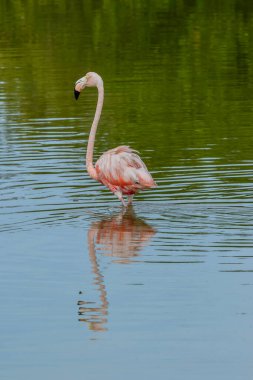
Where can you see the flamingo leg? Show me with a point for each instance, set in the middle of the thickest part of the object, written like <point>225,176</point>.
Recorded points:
<point>119,195</point>
<point>130,199</point>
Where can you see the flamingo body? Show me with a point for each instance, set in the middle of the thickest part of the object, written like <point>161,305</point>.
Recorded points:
<point>120,169</point>
<point>123,171</point>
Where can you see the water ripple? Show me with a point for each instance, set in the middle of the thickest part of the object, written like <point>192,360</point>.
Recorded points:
<point>196,209</point>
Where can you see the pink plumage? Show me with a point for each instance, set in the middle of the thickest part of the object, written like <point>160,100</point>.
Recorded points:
<point>120,169</point>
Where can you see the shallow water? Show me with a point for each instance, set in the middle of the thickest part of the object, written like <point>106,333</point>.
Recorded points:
<point>163,289</point>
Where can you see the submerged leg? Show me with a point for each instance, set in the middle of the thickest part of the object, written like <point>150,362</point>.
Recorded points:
<point>119,195</point>
<point>130,199</point>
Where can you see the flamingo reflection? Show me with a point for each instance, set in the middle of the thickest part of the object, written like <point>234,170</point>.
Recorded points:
<point>121,236</point>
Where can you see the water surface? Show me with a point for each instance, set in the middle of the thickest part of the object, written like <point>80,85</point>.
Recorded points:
<point>163,289</point>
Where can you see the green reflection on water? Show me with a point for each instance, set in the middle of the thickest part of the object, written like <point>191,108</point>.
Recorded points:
<point>178,74</point>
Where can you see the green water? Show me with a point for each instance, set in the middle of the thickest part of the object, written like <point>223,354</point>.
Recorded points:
<point>163,290</point>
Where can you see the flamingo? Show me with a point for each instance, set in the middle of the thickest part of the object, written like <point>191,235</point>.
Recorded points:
<point>120,169</point>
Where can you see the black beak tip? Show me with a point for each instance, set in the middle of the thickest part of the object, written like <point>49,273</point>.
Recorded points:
<point>76,93</point>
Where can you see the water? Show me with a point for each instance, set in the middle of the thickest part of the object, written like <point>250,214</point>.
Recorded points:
<point>164,289</point>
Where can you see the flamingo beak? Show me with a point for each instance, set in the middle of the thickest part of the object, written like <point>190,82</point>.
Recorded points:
<point>76,93</point>
<point>79,86</point>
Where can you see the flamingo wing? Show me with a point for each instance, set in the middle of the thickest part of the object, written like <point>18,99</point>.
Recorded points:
<point>121,169</point>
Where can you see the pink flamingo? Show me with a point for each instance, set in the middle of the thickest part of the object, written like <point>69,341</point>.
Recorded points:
<point>120,169</point>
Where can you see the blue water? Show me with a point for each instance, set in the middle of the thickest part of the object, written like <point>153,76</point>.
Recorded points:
<point>176,303</point>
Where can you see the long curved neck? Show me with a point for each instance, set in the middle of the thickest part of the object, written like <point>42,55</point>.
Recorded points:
<point>89,154</point>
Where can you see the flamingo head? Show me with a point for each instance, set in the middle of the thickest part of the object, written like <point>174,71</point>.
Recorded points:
<point>89,80</point>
